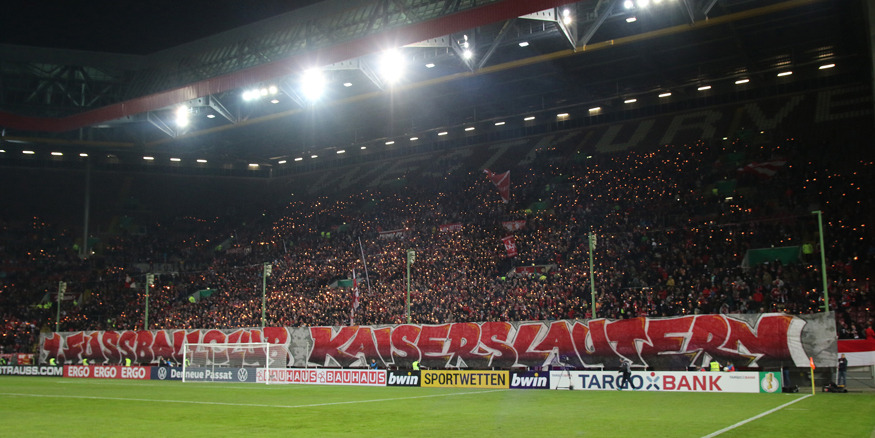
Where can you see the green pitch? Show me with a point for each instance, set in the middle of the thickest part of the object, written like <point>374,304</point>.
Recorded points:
<point>33,406</point>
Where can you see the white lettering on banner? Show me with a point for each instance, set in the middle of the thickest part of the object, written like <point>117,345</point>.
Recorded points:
<point>403,380</point>
<point>528,381</point>
<point>31,370</point>
<point>105,372</point>
<point>77,371</point>
<point>323,376</point>
<point>133,373</point>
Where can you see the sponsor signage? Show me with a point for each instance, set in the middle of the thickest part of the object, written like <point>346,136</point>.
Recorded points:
<point>30,370</point>
<point>697,381</point>
<point>106,372</point>
<point>231,375</point>
<point>320,376</point>
<point>529,380</point>
<point>465,379</point>
<point>403,378</point>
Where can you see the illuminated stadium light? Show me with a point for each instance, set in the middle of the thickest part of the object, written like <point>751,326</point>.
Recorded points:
<point>631,20</point>
<point>390,142</point>
<point>28,152</point>
<point>211,116</point>
<point>643,3</point>
<point>742,81</point>
<point>347,84</point>
<point>429,65</point>
<point>201,161</point>
<point>253,165</point>
<point>826,66</point>
<point>785,73</point>
<point>664,94</point>
<point>175,160</point>
<point>83,155</point>
<point>467,54</point>
<point>529,119</point>
<point>2,151</point>
<point>342,151</point>
<point>566,17</point>
<point>299,159</point>
<point>392,66</point>
<point>281,162</point>
<point>595,109</point>
<point>633,100</point>
<point>147,158</point>
<point>628,4</point>
<point>469,129</point>
<point>524,44</point>
<point>312,84</point>
<point>704,88</point>
<point>500,123</point>
<point>182,116</point>
<point>57,154</point>
<point>562,116</point>
<point>274,101</point>
<point>247,95</point>
<point>442,133</point>
<point>272,90</point>
<point>314,156</point>
<point>414,138</point>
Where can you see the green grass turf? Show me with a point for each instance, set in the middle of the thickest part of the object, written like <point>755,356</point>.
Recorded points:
<point>41,406</point>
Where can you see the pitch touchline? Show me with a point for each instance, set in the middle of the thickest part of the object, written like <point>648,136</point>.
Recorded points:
<point>743,422</point>
<point>243,404</point>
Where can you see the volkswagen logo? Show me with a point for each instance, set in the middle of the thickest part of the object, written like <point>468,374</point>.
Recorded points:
<point>162,373</point>
<point>242,374</point>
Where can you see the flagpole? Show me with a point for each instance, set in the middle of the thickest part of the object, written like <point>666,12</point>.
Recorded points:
<point>591,276</point>
<point>365,262</point>
<point>822,259</point>
<point>410,255</point>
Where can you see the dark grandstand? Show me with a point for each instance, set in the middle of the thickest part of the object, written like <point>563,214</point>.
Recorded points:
<point>676,139</point>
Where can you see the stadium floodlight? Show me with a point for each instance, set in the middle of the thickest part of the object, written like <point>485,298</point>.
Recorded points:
<point>628,4</point>
<point>299,159</point>
<point>529,119</point>
<point>566,16</point>
<point>429,65</point>
<point>390,142</point>
<point>175,160</point>
<point>272,90</point>
<point>347,84</point>
<point>211,116</point>
<point>826,66</point>
<point>182,116</point>
<point>469,129</point>
<point>500,123</point>
<point>57,154</point>
<point>562,116</point>
<point>341,151</point>
<point>785,73</point>
<point>442,133</point>
<point>414,138</point>
<point>524,44</point>
<point>664,95</point>
<point>633,100</point>
<point>363,147</point>
<point>83,154</point>
<point>392,66</point>
<point>467,54</point>
<point>631,19</point>
<point>148,158</point>
<point>28,152</point>
<point>274,101</point>
<point>704,88</point>
<point>742,81</point>
<point>643,3</point>
<point>281,162</point>
<point>314,156</point>
<point>253,165</point>
<point>595,109</point>
<point>312,84</point>
<point>201,160</point>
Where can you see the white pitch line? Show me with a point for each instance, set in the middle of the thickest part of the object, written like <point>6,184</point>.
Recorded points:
<point>743,422</point>
<point>12,394</point>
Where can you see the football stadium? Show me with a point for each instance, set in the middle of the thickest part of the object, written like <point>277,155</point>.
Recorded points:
<point>438,218</point>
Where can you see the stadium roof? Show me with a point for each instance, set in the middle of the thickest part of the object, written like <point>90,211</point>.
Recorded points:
<point>112,82</point>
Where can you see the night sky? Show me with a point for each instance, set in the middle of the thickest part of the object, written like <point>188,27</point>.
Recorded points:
<point>123,26</point>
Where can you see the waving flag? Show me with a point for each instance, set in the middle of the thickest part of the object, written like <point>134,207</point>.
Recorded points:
<point>355,299</point>
<point>502,183</point>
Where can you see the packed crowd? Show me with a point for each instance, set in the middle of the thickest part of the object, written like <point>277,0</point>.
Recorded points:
<point>673,225</point>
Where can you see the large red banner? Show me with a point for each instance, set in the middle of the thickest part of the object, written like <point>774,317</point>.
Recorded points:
<point>674,343</point>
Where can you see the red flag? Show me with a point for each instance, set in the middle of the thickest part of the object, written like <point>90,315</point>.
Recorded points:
<point>509,246</point>
<point>355,299</point>
<point>502,183</point>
